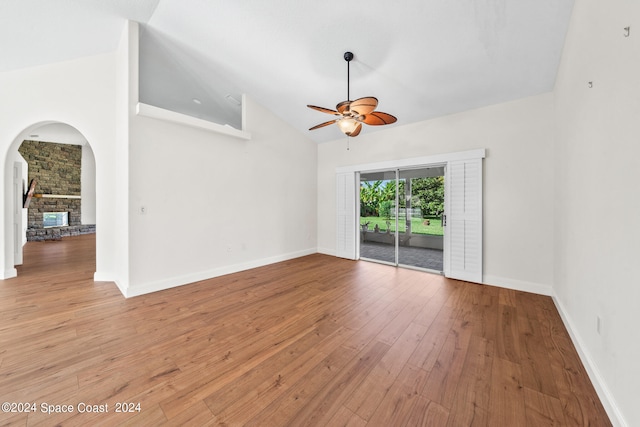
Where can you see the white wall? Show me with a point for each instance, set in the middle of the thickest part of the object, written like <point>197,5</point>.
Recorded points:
<point>216,204</point>
<point>88,186</point>
<point>201,204</point>
<point>597,242</point>
<point>81,94</point>
<point>518,181</point>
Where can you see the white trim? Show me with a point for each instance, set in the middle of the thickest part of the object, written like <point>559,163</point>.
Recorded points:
<point>414,161</point>
<point>146,110</point>
<point>101,277</point>
<point>18,211</point>
<point>327,251</point>
<point>605,395</point>
<point>159,285</point>
<point>518,285</point>
<point>9,274</point>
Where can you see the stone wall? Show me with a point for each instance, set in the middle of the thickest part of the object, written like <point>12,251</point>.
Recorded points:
<point>56,169</point>
<point>56,233</point>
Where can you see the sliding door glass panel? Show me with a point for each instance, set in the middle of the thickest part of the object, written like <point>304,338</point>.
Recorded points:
<point>401,211</point>
<point>377,216</point>
<point>420,237</point>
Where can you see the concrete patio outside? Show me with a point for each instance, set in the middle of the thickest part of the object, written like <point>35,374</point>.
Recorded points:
<point>430,259</point>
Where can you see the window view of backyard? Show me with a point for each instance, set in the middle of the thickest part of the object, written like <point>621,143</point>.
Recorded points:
<point>377,206</point>
<point>430,224</point>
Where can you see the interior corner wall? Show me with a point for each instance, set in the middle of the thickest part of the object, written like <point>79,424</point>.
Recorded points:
<point>205,204</point>
<point>79,93</point>
<point>597,241</point>
<point>518,181</point>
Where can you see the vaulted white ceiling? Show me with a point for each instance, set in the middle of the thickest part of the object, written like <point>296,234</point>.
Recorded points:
<point>420,58</point>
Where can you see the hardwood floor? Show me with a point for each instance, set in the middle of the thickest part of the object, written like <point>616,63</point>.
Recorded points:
<point>315,341</point>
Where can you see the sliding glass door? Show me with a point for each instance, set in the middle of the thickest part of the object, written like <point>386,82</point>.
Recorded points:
<point>401,214</point>
<point>378,223</point>
<point>420,181</point>
<point>421,209</point>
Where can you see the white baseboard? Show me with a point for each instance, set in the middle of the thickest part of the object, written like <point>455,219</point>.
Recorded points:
<point>122,288</point>
<point>327,251</point>
<point>103,277</point>
<point>106,277</point>
<point>615,415</point>
<point>9,274</point>
<point>518,285</point>
<point>136,290</point>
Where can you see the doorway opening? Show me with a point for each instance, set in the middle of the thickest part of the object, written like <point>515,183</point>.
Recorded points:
<point>53,178</point>
<point>401,217</point>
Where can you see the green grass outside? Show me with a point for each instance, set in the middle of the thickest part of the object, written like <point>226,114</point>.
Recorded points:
<point>417,225</point>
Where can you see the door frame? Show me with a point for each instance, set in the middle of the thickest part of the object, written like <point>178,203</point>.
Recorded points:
<point>18,205</point>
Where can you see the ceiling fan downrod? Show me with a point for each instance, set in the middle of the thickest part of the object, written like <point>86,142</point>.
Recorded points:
<point>348,56</point>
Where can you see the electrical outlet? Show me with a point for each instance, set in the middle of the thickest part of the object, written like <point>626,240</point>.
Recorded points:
<point>598,325</point>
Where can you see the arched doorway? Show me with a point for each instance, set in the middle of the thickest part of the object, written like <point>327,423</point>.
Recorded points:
<point>53,162</point>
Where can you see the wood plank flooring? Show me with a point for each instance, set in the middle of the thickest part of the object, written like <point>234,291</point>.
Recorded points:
<point>316,341</point>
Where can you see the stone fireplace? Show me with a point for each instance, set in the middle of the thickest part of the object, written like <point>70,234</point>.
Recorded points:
<point>57,171</point>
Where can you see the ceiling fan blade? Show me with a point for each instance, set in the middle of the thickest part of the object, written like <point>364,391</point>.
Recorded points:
<point>321,125</point>
<point>356,131</point>
<point>324,110</point>
<point>378,118</point>
<point>343,106</point>
<point>364,105</point>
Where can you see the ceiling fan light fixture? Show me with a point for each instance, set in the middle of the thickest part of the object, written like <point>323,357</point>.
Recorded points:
<point>347,125</point>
